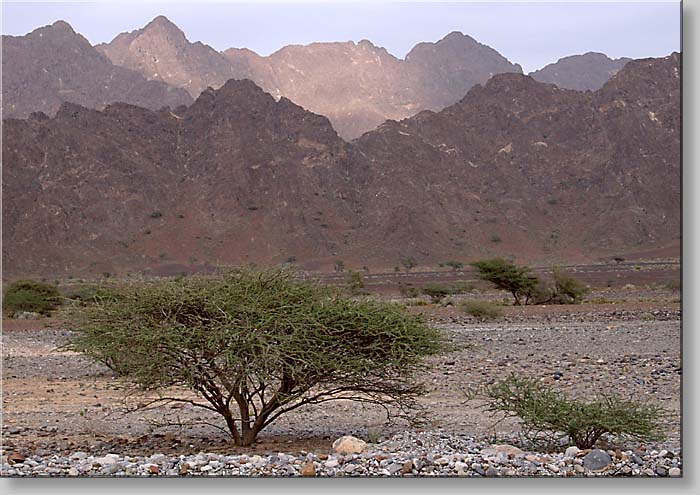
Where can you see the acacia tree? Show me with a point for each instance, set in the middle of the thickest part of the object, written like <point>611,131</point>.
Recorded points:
<point>505,275</point>
<point>255,345</point>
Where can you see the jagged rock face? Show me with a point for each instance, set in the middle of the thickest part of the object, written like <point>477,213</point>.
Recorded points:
<point>450,67</point>
<point>356,85</point>
<point>548,172</point>
<point>236,176</point>
<point>515,167</point>
<point>54,64</point>
<point>581,72</point>
<point>161,52</point>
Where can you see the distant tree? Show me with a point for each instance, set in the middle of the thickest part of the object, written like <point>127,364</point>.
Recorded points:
<point>409,263</point>
<point>339,266</point>
<point>507,276</point>
<point>254,345</point>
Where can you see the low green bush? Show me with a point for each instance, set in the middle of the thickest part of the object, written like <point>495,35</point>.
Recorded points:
<point>546,413</point>
<point>482,310</point>
<point>31,296</point>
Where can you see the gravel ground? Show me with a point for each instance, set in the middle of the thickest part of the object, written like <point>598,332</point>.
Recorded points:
<point>56,405</point>
<point>407,454</point>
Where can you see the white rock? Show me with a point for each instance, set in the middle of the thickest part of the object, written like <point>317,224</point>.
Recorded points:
<point>674,472</point>
<point>349,445</point>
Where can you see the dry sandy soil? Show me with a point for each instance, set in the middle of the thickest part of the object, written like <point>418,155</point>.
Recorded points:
<point>627,342</point>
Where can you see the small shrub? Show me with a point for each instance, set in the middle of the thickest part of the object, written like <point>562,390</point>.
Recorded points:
<point>496,239</point>
<point>482,310</point>
<point>409,291</point>
<point>339,266</point>
<point>82,294</point>
<point>156,214</point>
<point>32,296</point>
<point>436,292</point>
<point>568,290</point>
<point>355,283</point>
<point>546,413</point>
<point>163,255</point>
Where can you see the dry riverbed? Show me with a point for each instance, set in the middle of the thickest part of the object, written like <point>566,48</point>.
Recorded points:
<point>627,343</point>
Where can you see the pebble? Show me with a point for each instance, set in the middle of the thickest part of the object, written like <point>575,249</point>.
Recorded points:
<point>405,454</point>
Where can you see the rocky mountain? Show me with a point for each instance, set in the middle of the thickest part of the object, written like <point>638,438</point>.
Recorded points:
<point>515,167</point>
<point>581,72</point>
<point>54,64</point>
<point>356,85</point>
<point>161,52</point>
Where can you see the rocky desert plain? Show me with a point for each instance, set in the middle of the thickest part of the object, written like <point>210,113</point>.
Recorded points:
<point>154,156</point>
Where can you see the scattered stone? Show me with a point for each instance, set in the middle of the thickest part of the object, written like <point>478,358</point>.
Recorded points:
<point>15,458</point>
<point>509,450</point>
<point>407,467</point>
<point>572,451</point>
<point>674,472</point>
<point>308,469</point>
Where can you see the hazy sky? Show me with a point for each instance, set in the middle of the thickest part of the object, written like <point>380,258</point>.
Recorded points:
<point>531,34</point>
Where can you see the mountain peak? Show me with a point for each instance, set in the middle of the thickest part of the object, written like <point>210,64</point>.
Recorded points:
<point>162,22</point>
<point>456,36</point>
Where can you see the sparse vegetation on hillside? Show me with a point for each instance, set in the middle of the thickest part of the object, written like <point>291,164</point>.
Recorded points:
<point>255,345</point>
<point>30,296</point>
<point>409,263</point>
<point>547,414</point>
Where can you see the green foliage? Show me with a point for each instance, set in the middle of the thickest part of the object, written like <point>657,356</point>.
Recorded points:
<point>507,276</point>
<point>409,263</point>
<point>482,310</point>
<point>30,295</point>
<point>546,413</point>
<point>339,266</point>
<point>156,214</point>
<point>496,239</point>
<point>255,344</point>
<point>355,283</point>
<point>568,290</point>
<point>436,292</point>
<point>81,294</point>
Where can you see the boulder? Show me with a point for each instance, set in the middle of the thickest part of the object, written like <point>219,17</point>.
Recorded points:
<point>347,445</point>
<point>596,460</point>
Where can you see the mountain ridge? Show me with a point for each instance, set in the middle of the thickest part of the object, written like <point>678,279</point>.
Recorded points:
<point>516,167</point>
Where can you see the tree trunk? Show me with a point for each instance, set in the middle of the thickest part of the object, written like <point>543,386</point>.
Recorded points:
<point>249,437</point>
<point>517,299</point>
